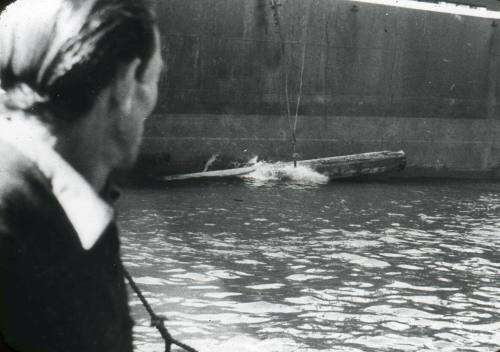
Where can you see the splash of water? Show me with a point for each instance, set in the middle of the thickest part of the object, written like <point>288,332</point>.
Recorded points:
<point>281,171</point>
<point>253,160</point>
<point>210,161</point>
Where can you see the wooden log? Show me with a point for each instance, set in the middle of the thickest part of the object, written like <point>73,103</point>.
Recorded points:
<point>240,171</point>
<point>357,164</point>
<point>334,167</point>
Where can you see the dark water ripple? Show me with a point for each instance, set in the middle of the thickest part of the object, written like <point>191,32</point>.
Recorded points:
<point>340,267</point>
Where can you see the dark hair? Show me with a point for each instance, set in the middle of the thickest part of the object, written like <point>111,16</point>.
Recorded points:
<point>57,55</point>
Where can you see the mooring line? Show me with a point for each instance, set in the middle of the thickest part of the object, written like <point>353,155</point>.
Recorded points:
<point>156,320</point>
<point>275,5</point>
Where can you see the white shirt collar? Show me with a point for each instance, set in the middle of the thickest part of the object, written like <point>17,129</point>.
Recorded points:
<point>89,214</point>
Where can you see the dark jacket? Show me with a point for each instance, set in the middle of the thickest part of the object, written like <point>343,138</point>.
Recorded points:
<point>54,295</point>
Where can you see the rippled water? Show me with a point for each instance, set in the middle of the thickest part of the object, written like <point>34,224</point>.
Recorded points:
<point>239,266</point>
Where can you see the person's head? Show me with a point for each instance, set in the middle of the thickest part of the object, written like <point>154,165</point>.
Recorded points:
<point>57,57</point>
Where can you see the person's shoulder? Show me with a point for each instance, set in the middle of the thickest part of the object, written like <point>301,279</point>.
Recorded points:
<point>22,186</point>
<point>17,172</point>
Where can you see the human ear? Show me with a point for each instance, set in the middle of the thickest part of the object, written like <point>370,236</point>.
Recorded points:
<point>125,85</point>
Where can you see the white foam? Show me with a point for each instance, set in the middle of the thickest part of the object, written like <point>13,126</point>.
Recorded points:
<point>286,172</point>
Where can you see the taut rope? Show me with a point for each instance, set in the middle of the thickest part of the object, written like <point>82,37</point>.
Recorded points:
<point>275,5</point>
<point>156,320</point>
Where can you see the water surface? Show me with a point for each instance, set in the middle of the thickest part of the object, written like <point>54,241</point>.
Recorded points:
<point>242,266</point>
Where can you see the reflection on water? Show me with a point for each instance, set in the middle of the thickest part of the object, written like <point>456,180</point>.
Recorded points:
<point>340,267</point>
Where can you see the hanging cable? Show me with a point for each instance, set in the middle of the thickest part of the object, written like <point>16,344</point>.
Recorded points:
<point>275,5</point>
<point>299,97</point>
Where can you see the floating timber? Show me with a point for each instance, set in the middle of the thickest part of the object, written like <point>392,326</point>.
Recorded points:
<point>240,171</point>
<point>335,167</point>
